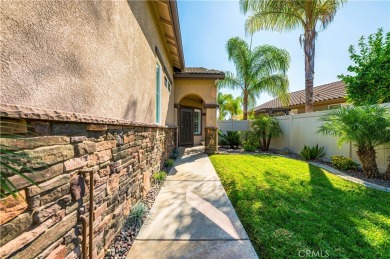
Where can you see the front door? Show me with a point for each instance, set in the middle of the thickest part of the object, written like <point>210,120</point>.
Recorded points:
<point>186,127</point>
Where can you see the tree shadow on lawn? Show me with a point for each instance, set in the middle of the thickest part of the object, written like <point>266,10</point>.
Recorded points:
<point>313,215</point>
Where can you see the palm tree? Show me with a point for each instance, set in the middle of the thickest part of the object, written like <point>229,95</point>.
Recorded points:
<point>287,15</point>
<point>228,104</point>
<point>233,105</point>
<point>262,69</point>
<point>366,127</point>
<point>221,101</point>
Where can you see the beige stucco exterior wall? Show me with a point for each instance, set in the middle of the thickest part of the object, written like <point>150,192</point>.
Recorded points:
<point>89,57</point>
<point>204,88</point>
<point>320,106</point>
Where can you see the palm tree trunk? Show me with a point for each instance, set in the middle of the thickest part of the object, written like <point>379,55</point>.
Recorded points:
<point>309,49</point>
<point>245,104</point>
<point>387,173</point>
<point>368,158</point>
<point>268,141</point>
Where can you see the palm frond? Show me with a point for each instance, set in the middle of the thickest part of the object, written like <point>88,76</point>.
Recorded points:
<point>276,85</point>
<point>230,81</point>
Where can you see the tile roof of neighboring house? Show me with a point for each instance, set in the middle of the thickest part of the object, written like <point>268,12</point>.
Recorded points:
<point>321,93</point>
<point>194,72</point>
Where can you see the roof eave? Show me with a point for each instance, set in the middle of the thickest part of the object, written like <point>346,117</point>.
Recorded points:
<point>199,76</point>
<point>176,25</point>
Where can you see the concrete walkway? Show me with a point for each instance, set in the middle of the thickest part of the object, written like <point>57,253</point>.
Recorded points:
<point>192,217</point>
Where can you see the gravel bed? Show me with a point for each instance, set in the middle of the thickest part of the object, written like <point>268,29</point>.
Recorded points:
<point>359,173</point>
<point>126,237</point>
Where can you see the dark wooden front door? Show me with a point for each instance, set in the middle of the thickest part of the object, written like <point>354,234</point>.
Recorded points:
<point>186,127</point>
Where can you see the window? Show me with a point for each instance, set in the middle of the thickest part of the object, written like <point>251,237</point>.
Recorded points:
<point>197,122</point>
<point>167,83</point>
<point>158,93</point>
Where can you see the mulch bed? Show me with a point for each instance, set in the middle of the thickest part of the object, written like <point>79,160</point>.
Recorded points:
<point>359,174</point>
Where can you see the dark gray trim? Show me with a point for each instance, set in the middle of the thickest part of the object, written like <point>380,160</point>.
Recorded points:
<point>211,106</point>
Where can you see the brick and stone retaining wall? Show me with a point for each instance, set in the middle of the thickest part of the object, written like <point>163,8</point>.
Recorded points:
<point>62,149</point>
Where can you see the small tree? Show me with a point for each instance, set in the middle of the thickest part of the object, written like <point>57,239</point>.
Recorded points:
<point>366,127</point>
<point>370,83</point>
<point>266,128</point>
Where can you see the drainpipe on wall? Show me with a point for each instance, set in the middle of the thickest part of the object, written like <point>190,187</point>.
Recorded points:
<point>84,223</point>
<point>84,220</point>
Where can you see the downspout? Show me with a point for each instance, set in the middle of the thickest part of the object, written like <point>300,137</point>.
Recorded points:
<point>84,223</point>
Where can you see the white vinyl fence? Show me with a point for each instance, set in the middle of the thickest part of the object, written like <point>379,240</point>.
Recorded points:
<point>301,129</point>
<point>234,125</point>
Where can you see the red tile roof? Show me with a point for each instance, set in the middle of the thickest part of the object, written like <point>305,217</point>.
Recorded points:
<point>200,72</point>
<point>321,93</point>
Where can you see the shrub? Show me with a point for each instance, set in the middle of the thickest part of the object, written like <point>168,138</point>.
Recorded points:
<point>159,177</point>
<point>137,214</point>
<point>175,154</point>
<point>169,162</point>
<point>266,128</point>
<point>249,138</point>
<point>343,163</point>
<point>366,127</point>
<point>249,147</point>
<point>231,139</point>
<point>310,153</point>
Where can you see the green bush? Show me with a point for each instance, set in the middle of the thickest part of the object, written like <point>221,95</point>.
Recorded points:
<point>310,153</point>
<point>231,139</point>
<point>249,147</point>
<point>175,154</point>
<point>266,128</point>
<point>249,138</point>
<point>159,177</point>
<point>343,163</point>
<point>137,214</point>
<point>366,127</point>
<point>169,162</point>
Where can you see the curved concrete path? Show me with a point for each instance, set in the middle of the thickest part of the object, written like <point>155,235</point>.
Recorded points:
<point>192,217</point>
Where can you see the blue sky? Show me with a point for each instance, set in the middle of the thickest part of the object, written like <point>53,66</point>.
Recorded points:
<point>206,26</point>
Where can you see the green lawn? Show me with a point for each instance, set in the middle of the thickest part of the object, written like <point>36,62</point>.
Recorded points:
<point>290,208</point>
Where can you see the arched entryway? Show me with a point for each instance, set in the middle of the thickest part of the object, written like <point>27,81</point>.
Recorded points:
<point>191,120</point>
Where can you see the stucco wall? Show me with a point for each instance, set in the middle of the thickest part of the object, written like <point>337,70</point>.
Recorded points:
<point>88,57</point>
<point>320,106</point>
<point>204,88</point>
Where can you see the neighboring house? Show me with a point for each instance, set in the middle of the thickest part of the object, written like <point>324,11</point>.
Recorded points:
<point>99,92</point>
<point>328,96</point>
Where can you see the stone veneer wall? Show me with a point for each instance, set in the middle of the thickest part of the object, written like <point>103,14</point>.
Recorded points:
<point>45,222</point>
